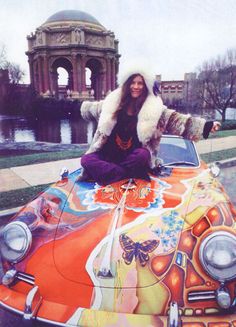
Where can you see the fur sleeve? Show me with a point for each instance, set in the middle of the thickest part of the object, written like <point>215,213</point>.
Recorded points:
<point>98,141</point>
<point>183,125</point>
<point>91,110</point>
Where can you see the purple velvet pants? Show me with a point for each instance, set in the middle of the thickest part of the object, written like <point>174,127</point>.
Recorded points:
<point>104,172</point>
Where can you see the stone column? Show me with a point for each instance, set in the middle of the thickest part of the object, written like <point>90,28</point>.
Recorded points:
<point>113,74</point>
<point>54,82</point>
<point>75,74</point>
<point>31,69</point>
<point>102,84</point>
<point>108,75</point>
<point>46,74</point>
<point>83,81</point>
<point>40,72</point>
<point>36,75</point>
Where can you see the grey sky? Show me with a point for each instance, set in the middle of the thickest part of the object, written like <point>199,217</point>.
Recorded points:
<point>173,36</point>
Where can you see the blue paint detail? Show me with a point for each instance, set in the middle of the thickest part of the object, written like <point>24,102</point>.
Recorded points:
<point>179,258</point>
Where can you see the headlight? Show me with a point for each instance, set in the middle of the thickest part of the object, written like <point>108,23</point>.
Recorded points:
<point>217,254</point>
<point>15,241</point>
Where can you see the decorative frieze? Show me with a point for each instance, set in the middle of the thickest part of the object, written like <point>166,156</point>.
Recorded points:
<point>60,38</point>
<point>95,40</point>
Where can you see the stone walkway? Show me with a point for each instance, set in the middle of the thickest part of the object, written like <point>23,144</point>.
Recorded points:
<point>217,144</point>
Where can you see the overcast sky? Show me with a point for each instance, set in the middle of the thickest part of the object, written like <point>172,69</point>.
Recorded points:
<point>174,36</point>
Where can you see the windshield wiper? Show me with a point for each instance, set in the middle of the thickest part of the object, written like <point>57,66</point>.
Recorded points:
<point>178,163</point>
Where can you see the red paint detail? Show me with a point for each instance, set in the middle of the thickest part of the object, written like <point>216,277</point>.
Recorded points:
<point>193,324</point>
<point>200,227</point>
<point>192,277</point>
<point>161,264</point>
<point>175,281</point>
<point>215,217</point>
<point>187,243</point>
<point>219,324</point>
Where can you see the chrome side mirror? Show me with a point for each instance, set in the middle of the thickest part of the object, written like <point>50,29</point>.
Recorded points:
<point>215,169</point>
<point>64,173</point>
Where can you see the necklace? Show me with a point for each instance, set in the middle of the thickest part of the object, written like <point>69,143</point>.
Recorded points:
<point>123,145</point>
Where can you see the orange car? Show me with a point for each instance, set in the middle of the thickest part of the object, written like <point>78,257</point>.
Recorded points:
<point>133,253</point>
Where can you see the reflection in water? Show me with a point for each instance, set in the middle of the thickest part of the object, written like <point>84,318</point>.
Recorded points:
<point>20,129</point>
<point>65,132</point>
<point>27,136</point>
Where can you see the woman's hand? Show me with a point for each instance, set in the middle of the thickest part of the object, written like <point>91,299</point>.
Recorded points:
<point>216,126</point>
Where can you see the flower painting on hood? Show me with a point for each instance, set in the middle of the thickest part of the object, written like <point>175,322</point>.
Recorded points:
<point>131,121</point>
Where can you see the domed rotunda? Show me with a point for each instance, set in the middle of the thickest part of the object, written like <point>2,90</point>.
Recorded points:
<point>77,42</point>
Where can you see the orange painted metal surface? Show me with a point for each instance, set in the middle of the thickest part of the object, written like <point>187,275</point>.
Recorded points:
<point>150,247</point>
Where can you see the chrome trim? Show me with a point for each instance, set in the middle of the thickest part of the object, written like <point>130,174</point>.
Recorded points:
<point>201,296</point>
<point>9,277</point>
<point>17,275</point>
<point>28,236</point>
<point>202,257</point>
<point>105,268</point>
<point>214,169</point>
<point>23,274</point>
<point>10,309</point>
<point>25,279</point>
<point>64,173</point>
<point>7,307</point>
<point>30,312</point>
<point>223,297</point>
<point>174,319</point>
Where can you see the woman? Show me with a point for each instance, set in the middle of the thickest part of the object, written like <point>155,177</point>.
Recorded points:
<point>129,130</point>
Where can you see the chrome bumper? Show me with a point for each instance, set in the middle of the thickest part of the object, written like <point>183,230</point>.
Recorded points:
<point>32,304</point>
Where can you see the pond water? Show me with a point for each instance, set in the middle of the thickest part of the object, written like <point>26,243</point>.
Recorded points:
<point>66,131</point>
<point>21,129</point>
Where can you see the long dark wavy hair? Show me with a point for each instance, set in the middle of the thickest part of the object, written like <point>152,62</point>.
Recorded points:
<point>126,98</point>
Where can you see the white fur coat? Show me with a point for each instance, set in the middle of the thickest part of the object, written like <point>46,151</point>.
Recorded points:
<point>154,119</point>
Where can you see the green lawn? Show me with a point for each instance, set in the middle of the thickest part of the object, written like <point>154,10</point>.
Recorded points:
<point>17,198</point>
<point>219,155</point>
<point>225,133</point>
<point>28,159</point>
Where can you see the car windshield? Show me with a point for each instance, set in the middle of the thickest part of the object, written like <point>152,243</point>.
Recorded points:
<point>175,151</point>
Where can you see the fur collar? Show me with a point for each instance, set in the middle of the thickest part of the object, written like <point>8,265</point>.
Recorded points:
<point>148,116</point>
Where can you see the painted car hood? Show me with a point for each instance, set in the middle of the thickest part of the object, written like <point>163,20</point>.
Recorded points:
<point>136,246</point>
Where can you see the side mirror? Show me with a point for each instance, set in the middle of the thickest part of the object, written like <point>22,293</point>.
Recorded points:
<point>215,169</point>
<point>64,173</point>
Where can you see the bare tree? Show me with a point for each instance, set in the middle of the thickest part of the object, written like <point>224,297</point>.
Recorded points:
<point>16,74</point>
<point>2,56</point>
<point>216,82</point>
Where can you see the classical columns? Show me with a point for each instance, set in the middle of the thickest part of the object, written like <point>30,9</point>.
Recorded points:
<point>31,70</point>
<point>75,73</point>
<point>82,66</point>
<point>40,72</point>
<point>73,46</point>
<point>108,75</point>
<point>113,74</point>
<point>46,74</point>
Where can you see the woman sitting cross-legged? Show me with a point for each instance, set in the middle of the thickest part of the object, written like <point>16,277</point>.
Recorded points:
<point>130,127</point>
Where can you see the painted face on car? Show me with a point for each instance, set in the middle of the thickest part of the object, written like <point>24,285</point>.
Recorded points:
<point>137,86</point>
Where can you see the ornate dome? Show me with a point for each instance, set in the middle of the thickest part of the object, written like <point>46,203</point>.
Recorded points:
<point>65,16</point>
